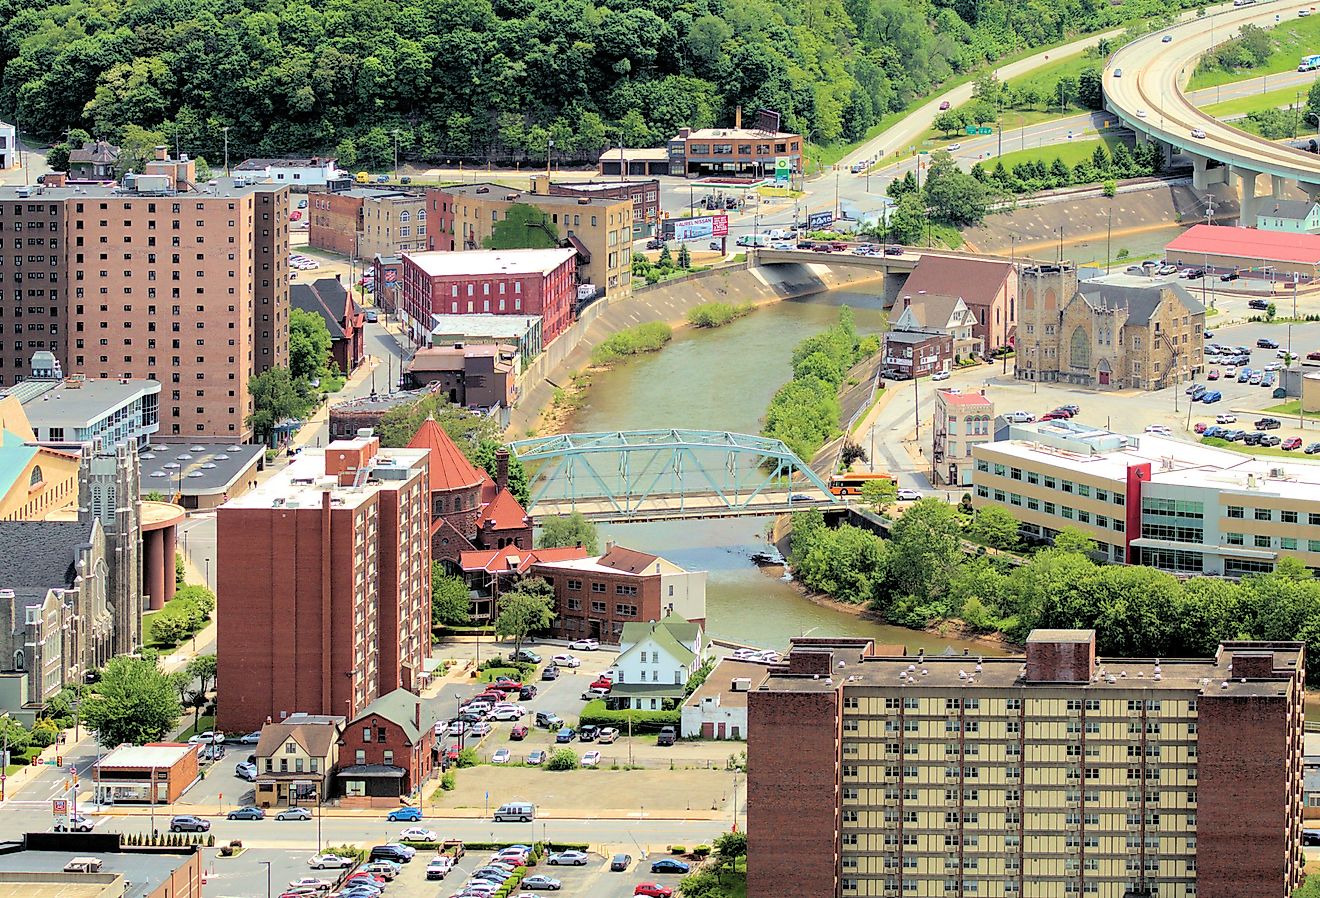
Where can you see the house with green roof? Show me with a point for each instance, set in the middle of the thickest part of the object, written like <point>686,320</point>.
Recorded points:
<point>655,660</point>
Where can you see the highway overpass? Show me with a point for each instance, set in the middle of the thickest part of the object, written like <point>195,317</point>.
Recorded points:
<point>883,262</point>
<point>1144,83</point>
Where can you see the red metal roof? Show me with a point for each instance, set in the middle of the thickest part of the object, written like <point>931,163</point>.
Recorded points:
<point>1246,243</point>
<point>504,512</point>
<point>450,469</point>
<point>964,398</point>
<point>501,560</point>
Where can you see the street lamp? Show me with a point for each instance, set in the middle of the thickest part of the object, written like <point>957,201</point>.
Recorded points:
<point>266,864</point>
<point>549,148</point>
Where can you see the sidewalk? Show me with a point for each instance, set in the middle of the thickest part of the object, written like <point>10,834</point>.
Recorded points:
<point>310,430</point>
<point>432,812</point>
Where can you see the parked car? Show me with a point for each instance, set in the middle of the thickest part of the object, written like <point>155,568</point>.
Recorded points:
<point>1159,429</point>
<point>569,859</point>
<point>1253,438</point>
<point>246,770</point>
<point>507,712</point>
<point>392,852</point>
<point>1019,417</point>
<point>187,823</point>
<point>480,728</point>
<point>565,734</point>
<point>418,834</point>
<point>77,823</point>
<point>550,673</point>
<point>620,863</point>
<point>584,645</point>
<point>1311,837</point>
<point>1213,431</point>
<point>667,736</point>
<point>1291,443</point>
<point>250,738</point>
<point>323,861</point>
<point>653,890</point>
<point>1235,436</point>
<point>590,759</point>
<point>294,814</point>
<point>1226,418</point>
<point>527,692</point>
<point>372,316</point>
<point>540,881</point>
<point>602,682</point>
<point>1229,276</point>
<point>1267,343</point>
<point>438,867</point>
<point>526,655</point>
<point>566,661</point>
<point>1268,424</point>
<point>311,882</point>
<point>548,719</point>
<point>1194,389</point>
<point>588,733</point>
<point>1258,304</point>
<point>907,495</point>
<point>670,865</point>
<point>1212,374</point>
<point>501,756</point>
<point>1269,440</point>
<point>608,736</point>
<point>210,737</point>
<point>1312,448</point>
<point>518,733</point>
<point>1200,427</point>
<point>537,757</point>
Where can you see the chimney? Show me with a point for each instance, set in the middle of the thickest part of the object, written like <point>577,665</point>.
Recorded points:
<point>162,153</point>
<point>737,117</point>
<point>907,301</point>
<point>609,546</point>
<point>55,179</point>
<point>417,714</point>
<point>501,468</point>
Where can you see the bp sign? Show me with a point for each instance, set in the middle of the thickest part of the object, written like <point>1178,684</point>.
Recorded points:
<point>783,168</point>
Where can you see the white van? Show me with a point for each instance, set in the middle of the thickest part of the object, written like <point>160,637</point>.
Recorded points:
<point>520,811</point>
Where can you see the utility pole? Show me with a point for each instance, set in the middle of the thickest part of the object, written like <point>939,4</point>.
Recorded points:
<point>549,148</point>
<point>1109,235</point>
<point>916,403</point>
<point>395,132</point>
<point>226,130</point>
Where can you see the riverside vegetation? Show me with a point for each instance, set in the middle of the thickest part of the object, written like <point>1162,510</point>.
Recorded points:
<point>804,413</point>
<point>921,576</point>
<point>718,314</point>
<point>648,337</point>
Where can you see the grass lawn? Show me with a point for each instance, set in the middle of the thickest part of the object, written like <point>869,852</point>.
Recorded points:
<point>1294,38</point>
<point>1071,153</point>
<point>1290,409</point>
<point>1274,99</point>
<point>204,723</point>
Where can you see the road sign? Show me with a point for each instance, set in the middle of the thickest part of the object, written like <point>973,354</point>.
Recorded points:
<point>59,806</point>
<point>985,129</point>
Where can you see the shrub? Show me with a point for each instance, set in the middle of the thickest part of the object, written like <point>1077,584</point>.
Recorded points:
<point>467,758</point>
<point>701,851</point>
<point>352,851</point>
<point>448,781</point>
<point>640,338</point>
<point>594,712</point>
<point>717,314</point>
<point>562,759</point>
<point>677,849</point>
<point>44,733</point>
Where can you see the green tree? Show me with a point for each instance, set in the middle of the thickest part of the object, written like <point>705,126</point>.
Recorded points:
<point>274,399</point>
<point>569,530</point>
<point>309,344</point>
<point>684,257</point>
<point>202,668</point>
<point>562,759</point>
<point>196,699</point>
<point>729,847</point>
<point>1090,89</point>
<point>467,429</point>
<point>523,227</point>
<point>134,702</point>
<point>12,731</point>
<point>925,552</point>
<point>953,195</point>
<point>880,493</point>
<point>450,602</point>
<point>485,458</point>
<point>665,259</point>
<point>950,121</point>
<point>907,222</point>
<point>525,610</point>
<point>995,527</point>
<point>44,733</point>
<point>1071,539</point>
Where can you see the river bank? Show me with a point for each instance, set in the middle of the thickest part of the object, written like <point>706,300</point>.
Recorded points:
<point>668,302</point>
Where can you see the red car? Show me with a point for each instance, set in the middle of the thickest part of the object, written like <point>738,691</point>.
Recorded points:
<point>1054,416</point>
<point>1213,375</point>
<point>518,733</point>
<point>1200,427</point>
<point>295,215</point>
<point>653,890</point>
<point>1313,356</point>
<point>944,105</point>
<point>506,684</point>
<point>1291,443</point>
<point>602,683</point>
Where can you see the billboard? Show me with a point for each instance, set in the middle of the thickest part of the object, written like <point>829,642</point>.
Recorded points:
<point>819,221</point>
<point>697,228</point>
<point>767,120</point>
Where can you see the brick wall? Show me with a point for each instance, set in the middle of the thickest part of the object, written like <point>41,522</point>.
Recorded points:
<point>1060,662</point>
<point>793,793</point>
<point>1243,787</point>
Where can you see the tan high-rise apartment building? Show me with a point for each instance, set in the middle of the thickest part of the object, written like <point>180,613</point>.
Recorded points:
<point>1054,774</point>
<point>160,278</point>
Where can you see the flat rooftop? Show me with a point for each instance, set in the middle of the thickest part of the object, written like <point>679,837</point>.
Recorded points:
<point>379,402</point>
<point>477,325</point>
<point>600,186</point>
<point>216,188</point>
<point>1176,461</point>
<point>489,262</point>
<point>195,468</point>
<point>500,193</point>
<point>1189,675</point>
<point>138,874</point>
<point>137,756</point>
<point>304,481</point>
<point>737,134</point>
<point>74,402</point>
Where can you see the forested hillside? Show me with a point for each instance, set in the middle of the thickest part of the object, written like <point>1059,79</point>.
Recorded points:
<point>479,78</point>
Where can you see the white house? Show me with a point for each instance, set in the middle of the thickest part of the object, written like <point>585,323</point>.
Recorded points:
<point>935,313</point>
<point>718,709</point>
<point>316,171</point>
<point>8,146</point>
<point>655,661</point>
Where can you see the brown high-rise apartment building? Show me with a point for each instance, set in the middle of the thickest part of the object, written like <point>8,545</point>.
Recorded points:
<point>324,584</point>
<point>1051,775</point>
<point>160,278</point>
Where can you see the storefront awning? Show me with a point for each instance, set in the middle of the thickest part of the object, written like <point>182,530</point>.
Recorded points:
<point>373,771</point>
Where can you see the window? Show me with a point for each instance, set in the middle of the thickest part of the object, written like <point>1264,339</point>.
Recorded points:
<point>366,734</point>
<point>1264,514</point>
<point>625,610</point>
<point>1236,511</point>
<point>574,585</point>
<point>1261,542</point>
<point>387,757</point>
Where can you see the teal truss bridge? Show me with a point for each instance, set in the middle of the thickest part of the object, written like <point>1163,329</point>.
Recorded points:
<point>650,475</point>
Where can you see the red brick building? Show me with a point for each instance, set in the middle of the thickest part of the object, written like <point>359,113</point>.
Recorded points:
<point>596,596</point>
<point>986,286</point>
<point>323,577</point>
<point>386,751</point>
<point>1051,774</point>
<point>469,510</point>
<point>489,572</point>
<point>498,282</point>
<point>644,193</point>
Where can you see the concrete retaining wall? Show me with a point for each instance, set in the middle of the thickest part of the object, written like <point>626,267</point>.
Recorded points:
<point>669,301</point>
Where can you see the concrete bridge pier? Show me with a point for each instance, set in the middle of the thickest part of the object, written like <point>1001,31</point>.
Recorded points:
<point>1278,184</point>
<point>1312,190</point>
<point>1249,201</point>
<point>1206,172</point>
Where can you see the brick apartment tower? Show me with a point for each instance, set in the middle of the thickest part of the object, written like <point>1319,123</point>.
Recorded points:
<point>323,578</point>
<point>160,278</point>
<point>1058,773</point>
